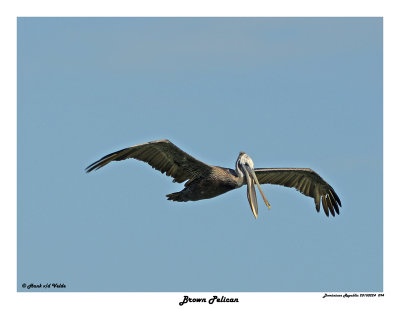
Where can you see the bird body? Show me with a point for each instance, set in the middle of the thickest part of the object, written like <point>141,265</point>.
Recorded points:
<point>219,181</point>
<point>205,181</point>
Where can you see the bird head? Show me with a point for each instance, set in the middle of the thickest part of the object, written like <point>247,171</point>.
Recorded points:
<point>245,170</point>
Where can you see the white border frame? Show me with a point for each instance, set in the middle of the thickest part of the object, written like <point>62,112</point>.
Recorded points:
<point>9,13</point>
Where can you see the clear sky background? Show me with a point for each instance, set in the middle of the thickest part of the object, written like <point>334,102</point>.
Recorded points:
<point>290,92</point>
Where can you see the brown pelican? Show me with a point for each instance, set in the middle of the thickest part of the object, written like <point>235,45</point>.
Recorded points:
<point>206,181</point>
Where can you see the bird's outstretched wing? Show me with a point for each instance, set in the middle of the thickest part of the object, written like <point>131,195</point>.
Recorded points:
<point>304,180</point>
<point>161,155</point>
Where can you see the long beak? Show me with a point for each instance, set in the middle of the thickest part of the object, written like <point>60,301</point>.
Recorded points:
<point>251,194</point>
<point>254,177</point>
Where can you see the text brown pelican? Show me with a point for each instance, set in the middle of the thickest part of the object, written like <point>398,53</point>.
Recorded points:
<point>206,181</point>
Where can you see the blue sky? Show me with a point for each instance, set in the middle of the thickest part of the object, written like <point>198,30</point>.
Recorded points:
<point>290,92</point>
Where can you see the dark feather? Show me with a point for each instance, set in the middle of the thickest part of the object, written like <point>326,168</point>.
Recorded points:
<point>161,155</point>
<point>305,181</point>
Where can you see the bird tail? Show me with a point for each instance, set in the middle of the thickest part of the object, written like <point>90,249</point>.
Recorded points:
<point>177,196</point>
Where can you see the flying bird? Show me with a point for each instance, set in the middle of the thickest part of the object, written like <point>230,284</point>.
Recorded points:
<point>205,181</point>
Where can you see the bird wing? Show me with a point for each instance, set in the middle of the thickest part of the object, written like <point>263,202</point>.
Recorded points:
<point>304,180</point>
<point>161,155</point>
